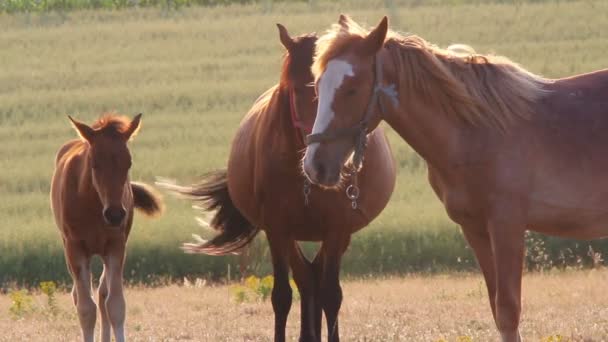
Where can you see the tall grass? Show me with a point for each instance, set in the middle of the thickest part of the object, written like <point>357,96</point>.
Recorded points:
<point>194,73</point>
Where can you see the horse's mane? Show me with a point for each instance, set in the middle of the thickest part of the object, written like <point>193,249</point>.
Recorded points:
<point>295,66</point>
<point>480,89</point>
<point>112,123</point>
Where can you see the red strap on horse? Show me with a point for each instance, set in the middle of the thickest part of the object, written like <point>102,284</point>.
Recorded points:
<point>302,128</point>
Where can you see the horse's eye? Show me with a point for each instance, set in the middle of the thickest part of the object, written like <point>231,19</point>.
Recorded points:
<point>351,92</point>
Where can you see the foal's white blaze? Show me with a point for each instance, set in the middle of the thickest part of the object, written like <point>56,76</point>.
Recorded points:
<point>330,81</point>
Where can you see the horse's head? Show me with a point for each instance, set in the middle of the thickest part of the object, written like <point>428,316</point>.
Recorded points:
<point>109,160</point>
<point>348,85</point>
<point>297,78</point>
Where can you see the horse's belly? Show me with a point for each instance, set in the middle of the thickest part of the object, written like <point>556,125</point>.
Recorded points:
<point>584,222</point>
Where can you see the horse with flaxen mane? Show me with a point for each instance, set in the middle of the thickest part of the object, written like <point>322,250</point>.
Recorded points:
<point>93,200</point>
<point>506,150</point>
<point>262,189</point>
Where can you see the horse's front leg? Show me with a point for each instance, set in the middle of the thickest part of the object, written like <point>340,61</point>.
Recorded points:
<point>507,238</point>
<point>102,295</point>
<point>79,265</point>
<point>331,292</point>
<point>304,276</point>
<point>281,291</point>
<point>317,267</point>
<point>478,238</point>
<point>115,304</point>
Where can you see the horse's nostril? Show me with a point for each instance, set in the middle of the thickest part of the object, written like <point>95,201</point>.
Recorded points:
<point>114,216</point>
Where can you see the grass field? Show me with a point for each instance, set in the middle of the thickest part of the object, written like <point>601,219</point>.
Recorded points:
<point>434,309</point>
<point>194,72</point>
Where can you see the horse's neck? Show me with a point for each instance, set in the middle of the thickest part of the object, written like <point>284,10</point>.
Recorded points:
<point>278,128</point>
<point>432,134</point>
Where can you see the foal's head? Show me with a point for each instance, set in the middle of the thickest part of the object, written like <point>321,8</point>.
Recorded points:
<point>296,76</point>
<point>109,160</point>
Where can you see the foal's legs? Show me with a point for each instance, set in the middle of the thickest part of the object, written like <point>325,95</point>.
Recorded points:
<point>102,295</point>
<point>331,292</point>
<point>281,291</point>
<point>79,265</point>
<point>115,301</point>
<point>508,246</point>
<point>304,277</point>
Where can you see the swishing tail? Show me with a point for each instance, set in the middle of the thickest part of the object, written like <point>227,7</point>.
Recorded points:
<point>147,200</point>
<point>235,232</point>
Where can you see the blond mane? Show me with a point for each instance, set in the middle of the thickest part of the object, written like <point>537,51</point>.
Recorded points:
<point>480,89</point>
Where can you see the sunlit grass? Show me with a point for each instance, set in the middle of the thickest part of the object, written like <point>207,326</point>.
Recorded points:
<point>557,307</point>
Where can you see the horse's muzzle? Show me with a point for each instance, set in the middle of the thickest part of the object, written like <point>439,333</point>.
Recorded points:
<point>114,216</point>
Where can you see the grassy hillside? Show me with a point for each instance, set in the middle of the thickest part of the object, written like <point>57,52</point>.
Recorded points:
<point>194,72</point>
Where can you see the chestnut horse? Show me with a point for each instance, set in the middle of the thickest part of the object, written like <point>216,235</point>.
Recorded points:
<point>92,200</point>
<point>506,150</point>
<point>262,189</point>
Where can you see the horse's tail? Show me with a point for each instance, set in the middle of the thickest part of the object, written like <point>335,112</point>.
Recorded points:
<point>235,231</point>
<point>146,199</point>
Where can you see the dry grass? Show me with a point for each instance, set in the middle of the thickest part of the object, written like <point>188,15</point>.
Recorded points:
<point>415,308</point>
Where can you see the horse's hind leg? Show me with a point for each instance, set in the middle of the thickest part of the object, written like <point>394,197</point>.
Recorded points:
<point>102,295</point>
<point>79,266</point>
<point>281,291</point>
<point>115,302</point>
<point>304,276</point>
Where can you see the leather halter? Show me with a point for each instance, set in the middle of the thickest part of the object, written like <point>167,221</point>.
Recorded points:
<point>359,131</point>
<point>302,128</point>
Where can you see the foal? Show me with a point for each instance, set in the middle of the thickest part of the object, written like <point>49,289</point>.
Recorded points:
<point>93,200</point>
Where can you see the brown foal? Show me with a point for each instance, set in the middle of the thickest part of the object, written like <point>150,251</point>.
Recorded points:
<point>93,200</point>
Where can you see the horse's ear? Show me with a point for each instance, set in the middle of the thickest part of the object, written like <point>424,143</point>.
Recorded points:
<point>375,39</point>
<point>84,131</point>
<point>134,126</point>
<point>285,38</point>
<point>343,21</point>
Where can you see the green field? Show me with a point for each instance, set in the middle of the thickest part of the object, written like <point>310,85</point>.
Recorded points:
<point>195,72</point>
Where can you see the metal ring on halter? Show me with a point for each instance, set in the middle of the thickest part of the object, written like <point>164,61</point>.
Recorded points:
<point>352,192</point>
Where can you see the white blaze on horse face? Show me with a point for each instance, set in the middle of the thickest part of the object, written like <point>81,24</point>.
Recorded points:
<point>330,81</point>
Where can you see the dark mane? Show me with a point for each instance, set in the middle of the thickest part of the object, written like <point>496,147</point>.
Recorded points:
<point>112,123</point>
<point>296,68</point>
